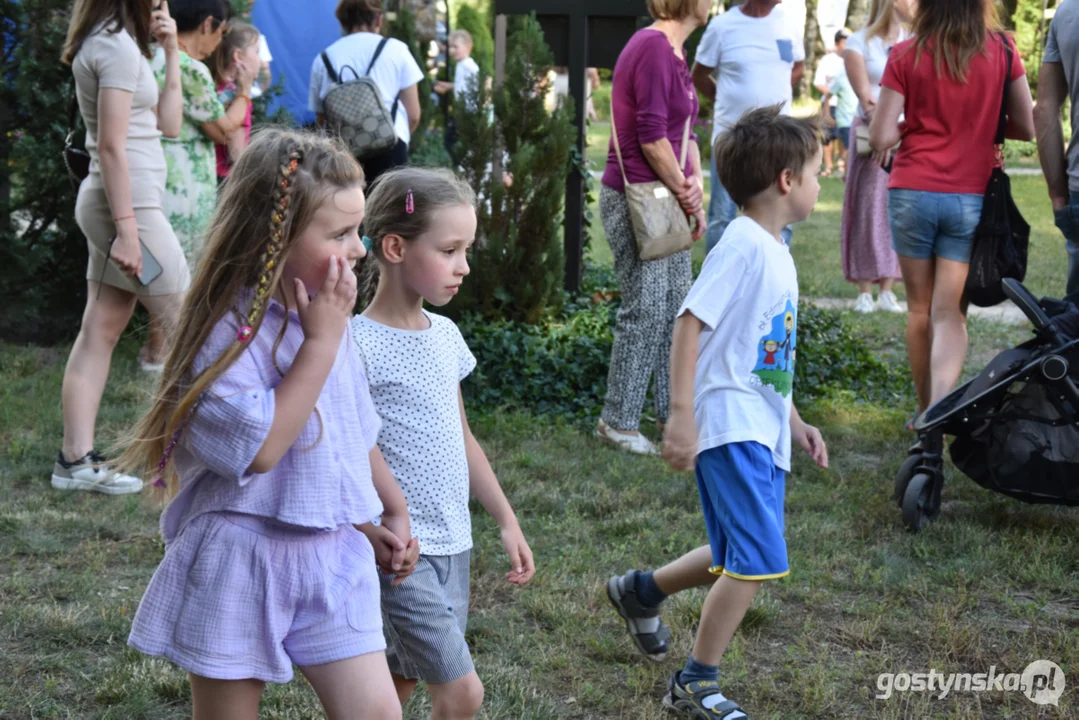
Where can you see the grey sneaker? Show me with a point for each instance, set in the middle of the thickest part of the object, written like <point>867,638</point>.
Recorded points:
<point>90,473</point>
<point>649,633</point>
<point>700,700</point>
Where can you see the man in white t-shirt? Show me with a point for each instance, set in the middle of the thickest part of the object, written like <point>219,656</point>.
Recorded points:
<point>1057,81</point>
<point>264,79</point>
<point>732,416</point>
<point>830,67</point>
<point>756,59</point>
<point>395,72</point>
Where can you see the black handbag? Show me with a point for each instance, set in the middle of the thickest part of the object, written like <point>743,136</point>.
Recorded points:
<point>1002,237</point>
<point>76,159</point>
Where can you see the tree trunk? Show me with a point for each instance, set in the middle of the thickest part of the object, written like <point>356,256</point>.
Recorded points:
<point>814,49</point>
<point>857,14</point>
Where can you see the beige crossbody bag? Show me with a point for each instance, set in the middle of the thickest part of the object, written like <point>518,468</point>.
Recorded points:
<point>659,223</point>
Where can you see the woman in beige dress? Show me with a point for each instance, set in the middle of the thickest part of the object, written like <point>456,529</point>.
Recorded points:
<point>119,210</point>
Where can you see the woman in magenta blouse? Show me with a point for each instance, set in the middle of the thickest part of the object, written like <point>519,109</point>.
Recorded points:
<point>651,98</point>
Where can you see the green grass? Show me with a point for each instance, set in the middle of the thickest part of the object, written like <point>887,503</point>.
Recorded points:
<point>993,582</point>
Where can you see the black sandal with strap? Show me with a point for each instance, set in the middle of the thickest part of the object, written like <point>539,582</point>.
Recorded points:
<point>622,592</point>
<point>688,699</point>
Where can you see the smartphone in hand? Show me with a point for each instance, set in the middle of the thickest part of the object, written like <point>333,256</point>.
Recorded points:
<point>151,268</point>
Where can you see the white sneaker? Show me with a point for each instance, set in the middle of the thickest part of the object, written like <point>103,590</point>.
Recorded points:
<point>90,473</point>
<point>889,303</point>
<point>637,444</point>
<point>864,304</point>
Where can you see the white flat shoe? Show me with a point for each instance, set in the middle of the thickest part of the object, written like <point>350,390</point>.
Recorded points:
<point>637,444</point>
<point>864,304</point>
<point>889,302</point>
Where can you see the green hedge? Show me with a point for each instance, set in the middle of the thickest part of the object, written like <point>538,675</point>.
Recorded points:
<point>559,366</point>
<point>42,253</point>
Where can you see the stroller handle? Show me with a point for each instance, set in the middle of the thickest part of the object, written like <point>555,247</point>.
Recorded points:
<point>1026,302</point>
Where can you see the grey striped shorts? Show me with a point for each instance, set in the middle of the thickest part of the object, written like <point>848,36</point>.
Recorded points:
<point>424,620</point>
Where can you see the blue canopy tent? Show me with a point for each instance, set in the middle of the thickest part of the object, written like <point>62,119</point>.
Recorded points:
<point>296,33</point>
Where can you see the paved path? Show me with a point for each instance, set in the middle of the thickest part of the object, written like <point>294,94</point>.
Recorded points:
<point>1006,312</point>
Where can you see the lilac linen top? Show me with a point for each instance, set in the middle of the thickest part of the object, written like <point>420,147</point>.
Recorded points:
<point>653,95</point>
<point>322,482</point>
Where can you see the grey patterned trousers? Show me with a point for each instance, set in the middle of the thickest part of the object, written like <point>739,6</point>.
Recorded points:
<point>652,292</point>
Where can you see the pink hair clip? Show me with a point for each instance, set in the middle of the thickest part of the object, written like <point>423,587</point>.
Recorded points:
<point>410,202</point>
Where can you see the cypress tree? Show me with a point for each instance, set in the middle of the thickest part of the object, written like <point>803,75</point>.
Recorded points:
<point>403,28</point>
<point>518,263</point>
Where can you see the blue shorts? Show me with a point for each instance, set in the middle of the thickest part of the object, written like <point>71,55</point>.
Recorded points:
<point>742,496</point>
<point>927,224</point>
<point>842,134</point>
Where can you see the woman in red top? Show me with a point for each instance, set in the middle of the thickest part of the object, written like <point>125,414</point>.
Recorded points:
<point>948,82</point>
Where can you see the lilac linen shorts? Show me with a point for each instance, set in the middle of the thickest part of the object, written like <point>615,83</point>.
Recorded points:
<point>239,596</point>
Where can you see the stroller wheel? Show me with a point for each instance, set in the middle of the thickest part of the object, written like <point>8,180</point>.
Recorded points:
<point>920,503</point>
<point>904,476</point>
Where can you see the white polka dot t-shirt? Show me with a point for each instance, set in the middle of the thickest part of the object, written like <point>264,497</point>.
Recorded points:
<point>414,377</point>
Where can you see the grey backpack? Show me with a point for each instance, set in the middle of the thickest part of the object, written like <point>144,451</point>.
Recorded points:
<point>354,110</point>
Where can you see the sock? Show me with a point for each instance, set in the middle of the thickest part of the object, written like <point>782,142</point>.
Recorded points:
<point>648,593</point>
<point>694,671</point>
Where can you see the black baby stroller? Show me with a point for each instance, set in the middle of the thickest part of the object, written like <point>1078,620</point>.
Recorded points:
<point>1016,425</point>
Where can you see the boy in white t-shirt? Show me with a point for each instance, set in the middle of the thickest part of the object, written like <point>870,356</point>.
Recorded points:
<point>732,376</point>
<point>466,72</point>
<point>465,76</point>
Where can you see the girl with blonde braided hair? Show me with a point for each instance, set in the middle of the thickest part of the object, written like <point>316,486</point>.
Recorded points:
<point>262,438</point>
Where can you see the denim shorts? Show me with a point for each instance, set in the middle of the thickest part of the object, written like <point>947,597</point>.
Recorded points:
<point>842,134</point>
<point>1067,220</point>
<point>927,224</point>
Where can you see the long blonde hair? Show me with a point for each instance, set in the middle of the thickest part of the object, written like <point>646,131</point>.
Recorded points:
<point>270,198</point>
<point>953,32</point>
<point>882,19</point>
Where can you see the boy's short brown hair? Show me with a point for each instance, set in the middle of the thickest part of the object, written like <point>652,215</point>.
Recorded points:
<point>358,13</point>
<point>762,144</point>
<point>671,9</point>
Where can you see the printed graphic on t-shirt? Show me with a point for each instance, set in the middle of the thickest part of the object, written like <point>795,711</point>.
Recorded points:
<point>776,352</point>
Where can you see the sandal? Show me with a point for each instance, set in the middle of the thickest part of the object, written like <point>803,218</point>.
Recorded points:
<point>646,628</point>
<point>826,172</point>
<point>688,700</point>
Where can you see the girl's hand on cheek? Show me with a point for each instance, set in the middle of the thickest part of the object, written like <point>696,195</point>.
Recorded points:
<point>326,316</point>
